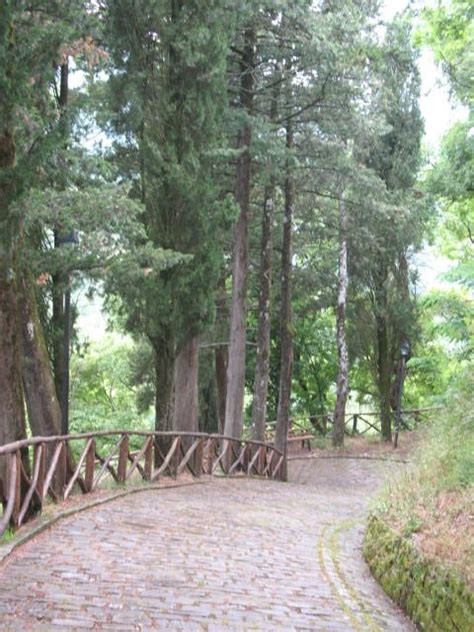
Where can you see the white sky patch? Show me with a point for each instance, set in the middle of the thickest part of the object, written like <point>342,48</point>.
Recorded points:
<point>91,321</point>
<point>438,110</point>
<point>431,267</point>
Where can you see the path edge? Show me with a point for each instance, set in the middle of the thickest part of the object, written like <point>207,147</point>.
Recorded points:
<point>434,597</point>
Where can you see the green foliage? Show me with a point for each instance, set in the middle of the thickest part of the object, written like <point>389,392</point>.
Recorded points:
<point>154,211</point>
<point>314,369</point>
<point>443,463</point>
<point>452,318</point>
<point>166,97</point>
<point>444,356</point>
<point>102,395</point>
<point>451,180</point>
<point>449,30</point>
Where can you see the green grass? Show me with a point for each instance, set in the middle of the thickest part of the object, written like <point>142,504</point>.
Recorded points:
<point>7,536</point>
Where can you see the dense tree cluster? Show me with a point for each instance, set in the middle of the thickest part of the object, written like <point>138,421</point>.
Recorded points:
<point>250,215</point>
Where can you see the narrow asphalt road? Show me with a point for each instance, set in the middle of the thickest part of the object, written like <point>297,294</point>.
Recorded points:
<point>238,554</point>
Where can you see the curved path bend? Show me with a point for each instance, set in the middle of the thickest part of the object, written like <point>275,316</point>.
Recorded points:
<point>238,554</point>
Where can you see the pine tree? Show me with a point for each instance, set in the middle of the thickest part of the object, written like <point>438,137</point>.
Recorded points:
<point>168,96</point>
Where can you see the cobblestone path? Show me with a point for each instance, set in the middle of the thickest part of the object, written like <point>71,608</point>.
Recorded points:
<point>225,555</point>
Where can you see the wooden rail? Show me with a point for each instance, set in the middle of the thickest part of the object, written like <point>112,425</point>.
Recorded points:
<point>38,467</point>
<point>306,427</point>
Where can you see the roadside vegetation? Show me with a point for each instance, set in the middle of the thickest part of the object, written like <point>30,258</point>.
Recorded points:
<point>431,504</point>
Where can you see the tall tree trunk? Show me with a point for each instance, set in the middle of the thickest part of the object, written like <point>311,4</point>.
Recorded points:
<point>60,328</point>
<point>186,369</point>
<point>259,404</point>
<point>384,369</point>
<point>12,414</point>
<point>221,356</point>
<point>44,414</point>
<point>286,365</point>
<point>262,368</point>
<point>342,353</point>
<point>164,381</point>
<point>236,366</point>
<point>164,371</point>
<point>57,326</point>
<point>402,333</point>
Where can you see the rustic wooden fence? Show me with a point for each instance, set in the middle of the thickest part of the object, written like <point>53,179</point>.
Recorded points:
<point>306,427</point>
<point>42,467</point>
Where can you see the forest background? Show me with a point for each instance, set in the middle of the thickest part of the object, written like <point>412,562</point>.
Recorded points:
<point>251,214</point>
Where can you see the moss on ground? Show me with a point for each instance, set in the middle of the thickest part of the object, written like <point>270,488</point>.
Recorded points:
<point>436,598</point>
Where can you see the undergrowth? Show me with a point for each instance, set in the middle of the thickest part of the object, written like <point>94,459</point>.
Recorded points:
<point>7,535</point>
<point>432,502</point>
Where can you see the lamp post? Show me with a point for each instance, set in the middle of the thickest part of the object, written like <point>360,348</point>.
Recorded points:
<point>404,355</point>
<point>67,239</point>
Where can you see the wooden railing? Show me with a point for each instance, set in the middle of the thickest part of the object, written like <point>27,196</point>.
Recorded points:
<point>355,423</point>
<point>43,467</point>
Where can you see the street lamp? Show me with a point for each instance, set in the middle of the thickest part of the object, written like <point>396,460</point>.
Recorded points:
<point>67,239</point>
<point>405,350</point>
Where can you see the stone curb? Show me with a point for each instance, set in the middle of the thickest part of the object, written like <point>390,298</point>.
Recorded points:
<point>7,549</point>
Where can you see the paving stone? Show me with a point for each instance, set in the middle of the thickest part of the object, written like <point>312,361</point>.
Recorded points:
<point>234,554</point>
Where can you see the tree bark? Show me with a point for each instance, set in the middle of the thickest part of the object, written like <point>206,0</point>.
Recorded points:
<point>164,382</point>
<point>401,334</point>
<point>221,360</point>
<point>60,329</point>
<point>342,353</point>
<point>262,368</point>
<point>236,366</point>
<point>186,369</point>
<point>286,365</point>
<point>164,370</point>
<point>384,368</point>
<point>44,414</point>
<point>12,414</point>
<point>57,326</point>
<point>221,357</point>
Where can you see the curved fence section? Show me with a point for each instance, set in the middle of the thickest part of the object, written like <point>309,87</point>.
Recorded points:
<point>41,468</point>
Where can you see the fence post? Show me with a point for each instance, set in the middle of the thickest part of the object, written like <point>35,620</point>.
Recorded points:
<point>174,463</point>
<point>210,455</point>
<point>90,467</point>
<point>354,424</point>
<point>261,459</point>
<point>40,453</point>
<point>123,459</point>
<point>149,458</point>
<point>60,476</point>
<point>17,488</point>
<point>199,458</point>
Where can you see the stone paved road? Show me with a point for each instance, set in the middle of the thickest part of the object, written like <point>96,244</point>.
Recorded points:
<point>225,555</point>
